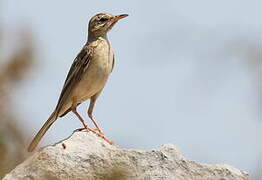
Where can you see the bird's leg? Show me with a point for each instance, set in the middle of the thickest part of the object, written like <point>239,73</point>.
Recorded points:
<point>82,121</point>
<point>90,111</point>
<point>89,129</point>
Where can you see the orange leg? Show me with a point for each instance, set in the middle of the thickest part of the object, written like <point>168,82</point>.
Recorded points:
<point>83,122</point>
<point>90,112</point>
<point>89,129</point>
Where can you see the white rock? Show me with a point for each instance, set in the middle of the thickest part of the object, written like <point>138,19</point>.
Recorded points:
<point>84,156</point>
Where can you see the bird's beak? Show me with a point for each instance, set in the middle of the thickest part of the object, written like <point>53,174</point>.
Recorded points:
<point>116,18</point>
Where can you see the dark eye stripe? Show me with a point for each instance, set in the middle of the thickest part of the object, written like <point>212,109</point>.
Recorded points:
<point>103,19</point>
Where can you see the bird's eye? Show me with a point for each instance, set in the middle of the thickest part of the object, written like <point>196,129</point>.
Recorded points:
<point>103,19</point>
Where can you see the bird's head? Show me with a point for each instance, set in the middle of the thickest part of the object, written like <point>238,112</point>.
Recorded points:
<point>101,23</point>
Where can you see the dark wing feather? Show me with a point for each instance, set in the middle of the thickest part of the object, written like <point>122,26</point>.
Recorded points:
<point>74,75</point>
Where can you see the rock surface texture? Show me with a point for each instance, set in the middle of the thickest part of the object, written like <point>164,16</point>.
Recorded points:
<point>84,156</point>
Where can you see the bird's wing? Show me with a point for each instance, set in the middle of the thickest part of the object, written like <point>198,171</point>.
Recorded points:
<point>75,74</point>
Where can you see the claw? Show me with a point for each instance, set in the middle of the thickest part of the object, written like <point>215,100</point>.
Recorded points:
<point>79,129</point>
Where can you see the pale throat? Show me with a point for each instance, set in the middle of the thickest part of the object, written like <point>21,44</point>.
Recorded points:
<point>93,37</point>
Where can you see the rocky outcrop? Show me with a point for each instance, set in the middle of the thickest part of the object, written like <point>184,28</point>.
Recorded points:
<point>84,156</point>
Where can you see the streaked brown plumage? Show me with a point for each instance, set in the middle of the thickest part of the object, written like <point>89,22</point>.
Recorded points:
<point>87,75</point>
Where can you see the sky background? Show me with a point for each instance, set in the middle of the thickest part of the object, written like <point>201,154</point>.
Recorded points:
<point>179,75</point>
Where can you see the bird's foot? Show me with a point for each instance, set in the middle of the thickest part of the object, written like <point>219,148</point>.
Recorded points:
<point>86,128</point>
<point>106,139</point>
<point>100,131</point>
<point>89,129</point>
<point>96,132</point>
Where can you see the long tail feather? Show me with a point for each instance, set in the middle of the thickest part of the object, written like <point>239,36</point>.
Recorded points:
<point>42,132</point>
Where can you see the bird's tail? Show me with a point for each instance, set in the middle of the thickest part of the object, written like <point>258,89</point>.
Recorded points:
<point>42,131</point>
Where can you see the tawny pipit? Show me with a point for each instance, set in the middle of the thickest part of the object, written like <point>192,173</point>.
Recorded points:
<point>87,75</point>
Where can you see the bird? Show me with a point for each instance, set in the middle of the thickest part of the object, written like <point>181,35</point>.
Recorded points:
<point>87,76</point>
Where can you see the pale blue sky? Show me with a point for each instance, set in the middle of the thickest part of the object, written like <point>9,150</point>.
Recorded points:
<point>175,80</point>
